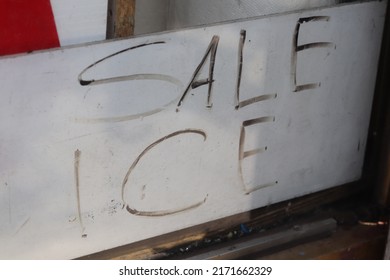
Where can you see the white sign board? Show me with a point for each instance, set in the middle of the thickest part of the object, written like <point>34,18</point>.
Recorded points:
<point>107,144</point>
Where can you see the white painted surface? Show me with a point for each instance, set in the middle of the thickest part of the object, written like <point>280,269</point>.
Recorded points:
<point>80,21</point>
<point>187,157</point>
<point>184,13</point>
<point>159,15</point>
<point>151,16</point>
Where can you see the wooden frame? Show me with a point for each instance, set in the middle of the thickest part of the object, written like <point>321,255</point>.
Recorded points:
<point>153,248</point>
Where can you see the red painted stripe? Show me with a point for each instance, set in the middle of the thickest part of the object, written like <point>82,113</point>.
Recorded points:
<point>26,25</point>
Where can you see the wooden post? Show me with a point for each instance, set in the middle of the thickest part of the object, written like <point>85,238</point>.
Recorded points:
<point>120,18</point>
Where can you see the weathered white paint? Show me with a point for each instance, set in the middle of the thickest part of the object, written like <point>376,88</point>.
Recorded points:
<point>184,13</point>
<point>80,21</point>
<point>151,16</point>
<point>159,15</point>
<point>125,143</point>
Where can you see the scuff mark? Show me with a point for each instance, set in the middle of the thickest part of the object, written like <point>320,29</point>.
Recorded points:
<point>120,118</point>
<point>23,225</point>
<point>9,204</point>
<point>77,155</point>
<point>143,192</point>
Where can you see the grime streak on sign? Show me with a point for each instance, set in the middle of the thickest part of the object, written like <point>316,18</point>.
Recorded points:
<point>77,156</point>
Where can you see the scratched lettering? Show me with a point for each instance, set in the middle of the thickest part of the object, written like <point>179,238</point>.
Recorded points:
<point>244,154</point>
<point>211,51</point>
<point>146,135</point>
<point>134,211</point>
<point>298,48</point>
<point>133,77</point>
<point>240,104</point>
